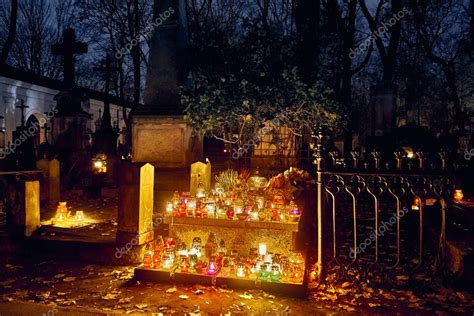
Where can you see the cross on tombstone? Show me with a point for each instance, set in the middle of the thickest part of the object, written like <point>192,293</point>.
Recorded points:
<point>22,107</point>
<point>46,128</point>
<point>106,67</point>
<point>67,49</point>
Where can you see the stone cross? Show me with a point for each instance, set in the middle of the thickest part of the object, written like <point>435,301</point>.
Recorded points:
<point>46,129</point>
<point>67,49</point>
<point>107,67</point>
<point>22,107</point>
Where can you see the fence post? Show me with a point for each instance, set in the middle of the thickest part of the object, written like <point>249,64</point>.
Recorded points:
<point>318,155</point>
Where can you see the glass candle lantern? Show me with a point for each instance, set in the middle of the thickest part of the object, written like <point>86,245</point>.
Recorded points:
<point>169,208</point>
<point>263,273</point>
<point>240,270</point>
<point>193,260</point>
<point>200,191</point>
<point>238,206</point>
<point>458,195</point>
<point>212,266</point>
<point>262,249</point>
<point>168,260</point>
<point>230,212</point>
<point>181,249</point>
<point>219,189</point>
<point>158,252</point>
<point>268,257</point>
<point>176,199</point>
<point>169,244</point>
<point>253,271</point>
<point>184,264</point>
<point>196,247</point>
<point>296,275</point>
<point>225,270</point>
<point>260,200</point>
<point>148,257</point>
<point>61,211</point>
<point>191,206</point>
<point>211,246</point>
<point>211,207</point>
<point>275,273</point>
<point>254,215</point>
<point>79,216</point>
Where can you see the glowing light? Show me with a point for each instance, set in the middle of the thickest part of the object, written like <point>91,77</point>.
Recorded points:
<point>211,268</point>
<point>262,249</point>
<point>416,204</point>
<point>79,216</point>
<point>169,207</point>
<point>458,195</point>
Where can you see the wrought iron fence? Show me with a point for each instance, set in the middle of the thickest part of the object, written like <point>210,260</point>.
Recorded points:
<point>355,198</point>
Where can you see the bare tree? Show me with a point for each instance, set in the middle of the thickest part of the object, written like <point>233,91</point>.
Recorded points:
<point>388,54</point>
<point>7,46</point>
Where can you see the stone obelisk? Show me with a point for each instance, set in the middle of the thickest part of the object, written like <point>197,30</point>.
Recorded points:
<point>159,132</point>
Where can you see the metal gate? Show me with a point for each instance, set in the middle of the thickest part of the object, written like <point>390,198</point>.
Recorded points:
<point>374,213</point>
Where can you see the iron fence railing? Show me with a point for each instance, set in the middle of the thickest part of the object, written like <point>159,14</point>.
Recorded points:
<point>358,191</point>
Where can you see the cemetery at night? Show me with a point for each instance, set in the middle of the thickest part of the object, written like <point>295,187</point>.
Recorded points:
<point>236,157</point>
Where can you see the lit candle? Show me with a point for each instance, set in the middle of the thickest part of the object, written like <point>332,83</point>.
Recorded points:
<point>79,216</point>
<point>169,208</point>
<point>458,195</point>
<point>262,249</point>
<point>240,271</point>
<point>212,268</point>
<point>260,202</point>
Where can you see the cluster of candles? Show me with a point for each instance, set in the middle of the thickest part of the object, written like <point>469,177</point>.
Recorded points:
<point>62,214</point>
<point>229,205</point>
<point>259,265</point>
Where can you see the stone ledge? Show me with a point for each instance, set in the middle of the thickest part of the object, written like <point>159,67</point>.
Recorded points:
<point>231,223</point>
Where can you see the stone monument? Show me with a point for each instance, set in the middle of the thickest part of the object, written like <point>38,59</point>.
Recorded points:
<point>69,124</point>
<point>383,105</point>
<point>160,134</point>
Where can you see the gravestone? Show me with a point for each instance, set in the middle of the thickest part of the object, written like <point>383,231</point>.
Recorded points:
<point>69,124</point>
<point>50,187</point>
<point>160,134</point>
<point>383,104</point>
<point>25,207</point>
<point>135,210</point>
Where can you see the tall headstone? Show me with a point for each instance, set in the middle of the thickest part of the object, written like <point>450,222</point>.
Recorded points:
<point>2,133</point>
<point>383,104</point>
<point>135,210</point>
<point>160,134</point>
<point>25,207</point>
<point>105,138</point>
<point>69,123</point>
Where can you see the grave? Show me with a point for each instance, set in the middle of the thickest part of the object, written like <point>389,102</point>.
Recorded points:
<point>160,134</point>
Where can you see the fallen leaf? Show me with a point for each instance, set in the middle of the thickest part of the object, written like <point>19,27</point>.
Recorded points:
<point>109,296</point>
<point>141,306</point>
<point>246,296</point>
<point>58,276</point>
<point>69,279</point>
<point>183,297</point>
<point>171,290</point>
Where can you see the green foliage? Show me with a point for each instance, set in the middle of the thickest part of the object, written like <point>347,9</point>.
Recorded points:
<point>254,80</point>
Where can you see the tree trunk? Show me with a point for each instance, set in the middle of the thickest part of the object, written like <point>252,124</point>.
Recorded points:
<point>11,32</point>
<point>307,16</point>
<point>136,55</point>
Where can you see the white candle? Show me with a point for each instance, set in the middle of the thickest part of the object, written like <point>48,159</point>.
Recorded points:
<point>262,249</point>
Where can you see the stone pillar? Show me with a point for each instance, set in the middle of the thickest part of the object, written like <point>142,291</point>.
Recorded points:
<point>383,108</point>
<point>135,217</point>
<point>50,187</point>
<point>26,208</point>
